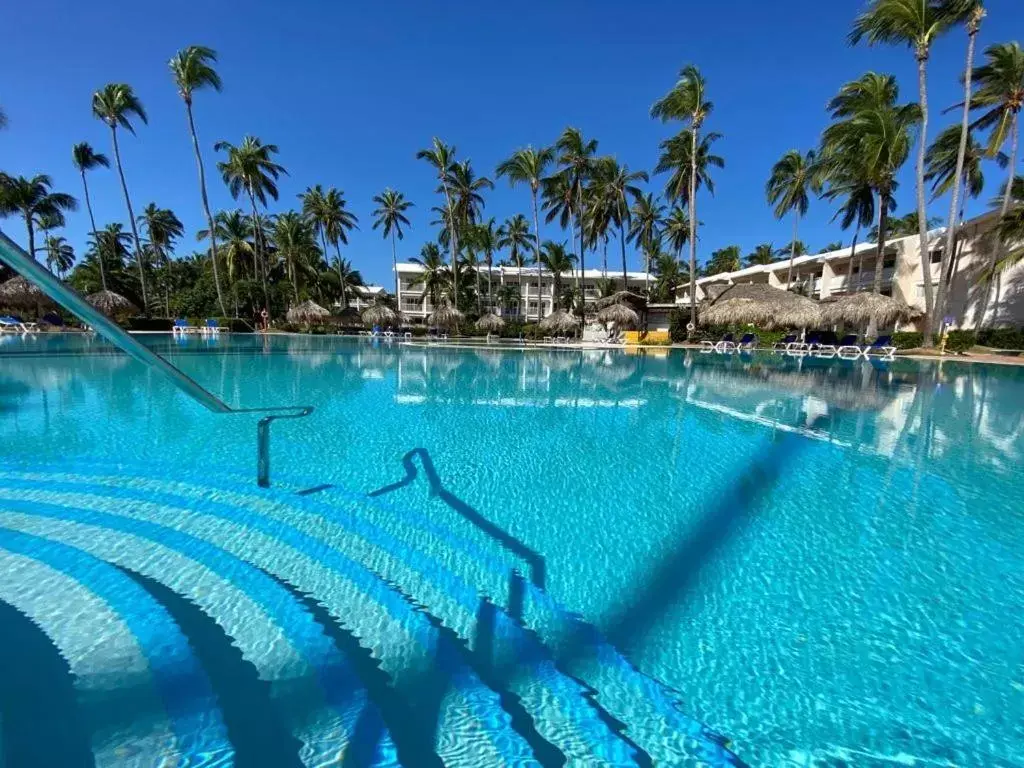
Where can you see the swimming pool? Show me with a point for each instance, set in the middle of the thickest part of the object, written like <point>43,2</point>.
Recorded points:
<point>497,557</point>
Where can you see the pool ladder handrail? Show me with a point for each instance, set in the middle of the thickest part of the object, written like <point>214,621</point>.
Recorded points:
<point>14,256</point>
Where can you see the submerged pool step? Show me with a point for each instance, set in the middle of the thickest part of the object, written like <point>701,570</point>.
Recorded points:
<point>462,716</point>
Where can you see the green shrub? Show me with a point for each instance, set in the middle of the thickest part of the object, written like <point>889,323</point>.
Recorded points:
<point>907,340</point>
<point>1002,338</point>
<point>960,341</point>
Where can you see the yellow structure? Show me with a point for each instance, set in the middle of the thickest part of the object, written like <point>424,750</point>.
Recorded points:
<point>650,337</point>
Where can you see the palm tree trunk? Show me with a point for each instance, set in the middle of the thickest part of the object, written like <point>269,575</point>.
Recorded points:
<point>92,223</point>
<point>849,267</point>
<point>1000,250</point>
<point>883,221</point>
<point>257,240</point>
<point>582,282</point>
<point>693,226</point>
<point>792,249</point>
<point>341,277</point>
<point>31,235</point>
<point>490,294</point>
<point>131,220</point>
<point>922,212</point>
<point>622,244</point>
<point>394,265</point>
<point>536,245</point>
<point>453,241</point>
<point>206,204</point>
<point>953,226</point>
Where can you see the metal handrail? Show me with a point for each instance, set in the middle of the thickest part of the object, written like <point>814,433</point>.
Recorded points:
<point>14,256</point>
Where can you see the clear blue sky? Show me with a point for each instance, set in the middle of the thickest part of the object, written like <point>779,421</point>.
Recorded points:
<point>350,91</point>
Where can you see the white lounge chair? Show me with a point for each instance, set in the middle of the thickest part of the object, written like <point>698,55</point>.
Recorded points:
<point>16,325</point>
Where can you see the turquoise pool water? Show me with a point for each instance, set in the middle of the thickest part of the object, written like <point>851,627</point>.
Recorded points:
<point>822,561</point>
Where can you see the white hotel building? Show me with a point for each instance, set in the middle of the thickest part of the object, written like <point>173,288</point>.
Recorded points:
<point>415,305</point>
<point>836,273</point>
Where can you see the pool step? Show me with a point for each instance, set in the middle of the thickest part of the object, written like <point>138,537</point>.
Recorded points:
<point>507,623</point>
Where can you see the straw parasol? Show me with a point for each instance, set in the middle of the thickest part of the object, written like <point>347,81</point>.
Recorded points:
<point>861,308</point>
<point>445,316</point>
<point>19,293</point>
<point>380,314</point>
<point>490,322</point>
<point>620,314</point>
<point>559,321</point>
<point>761,305</point>
<point>307,312</point>
<point>110,303</point>
<point>634,300</point>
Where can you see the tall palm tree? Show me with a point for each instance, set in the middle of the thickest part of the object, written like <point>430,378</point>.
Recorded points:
<point>1000,97</point>
<point>687,102</point>
<point>723,260</point>
<point>192,69</point>
<point>515,236</point>
<point>115,104</point>
<point>529,166</point>
<point>792,177</point>
<point>328,213</point>
<point>870,138</point>
<point>295,241</point>
<point>389,215</point>
<point>845,178</point>
<point>31,199</point>
<point>576,158</point>
<point>348,279</point>
<point>557,260</point>
<point>441,157</point>
<point>234,230</point>
<point>163,227</point>
<point>647,219</point>
<point>485,238</point>
<point>250,167</point>
<point>432,278</point>
<point>916,24</point>
<point>667,274</point>
<point>59,255</point>
<point>974,14</point>
<point>762,254</point>
<point>85,159</point>
<point>677,235</point>
<point>619,186</point>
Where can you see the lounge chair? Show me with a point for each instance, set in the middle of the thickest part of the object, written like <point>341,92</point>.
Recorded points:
<point>784,344</point>
<point>883,346</point>
<point>747,343</point>
<point>407,335</point>
<point>841,347</point>
<point>809,344</point>
<point>15,324</point>
<point>722,345</point>
<point>211,328</point>
<point>389,335</point>
<point>181,327</point>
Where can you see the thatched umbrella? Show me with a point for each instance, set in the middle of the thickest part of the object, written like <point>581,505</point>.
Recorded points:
<point>19,293</point>
<point>560,322</point>
<point>445,316</point>
<point>629,298</point>
<point>380,314</point>
<point>490,322</point>
<point>620,314</point>
<point>307,312</point>
<point>761,305</point>
<point>111,304</point>
<point>861,308</point>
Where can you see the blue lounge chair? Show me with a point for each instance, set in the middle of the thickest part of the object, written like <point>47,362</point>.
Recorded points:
<point>784,344</point>
<point>212,327</point>
<point>748,342</point>
<point>181,327</point>
<point>841,347</point>
<point>722,345</point>
<point>883,346</point>
<point>15,324</point>
<point>809,344</point>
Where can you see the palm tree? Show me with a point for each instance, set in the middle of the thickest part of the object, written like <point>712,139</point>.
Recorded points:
<point>576,158</point>
<point>192,69</point>
<point>432,278</point>
<point>845,179</point>
<point>870,139</point>
<point>348,279</point>
<point>916,24</point>
<point>762,254</point>
<point>557,260</point>
<point>677,235</point>
<point>441,157</point>
<point>163,227</point>
<point>835,245</point>
<point>619,186</point>
<point>108,246</point>
<point>1000,97</point>
<point>59,255</point>
<point>250,168</point>
<point>647,218</point>
<point>234,230</point>
<point>330,217</point>
<point>390,216</point>
<point>295,241</point>
<point>85,159</point>
<point>31,199</point>
<point>115,104</point>
<point>529,166</point>
<point>667,275</point>
<point>515,235</point>
<point>975,13</point>
<point>723,260</point>
<point>792,176</point>
<point>796,247</point>
<point>485,238</point>
<point>687,101</point>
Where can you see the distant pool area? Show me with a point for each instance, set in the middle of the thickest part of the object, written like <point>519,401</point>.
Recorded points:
<point>820,562</point>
